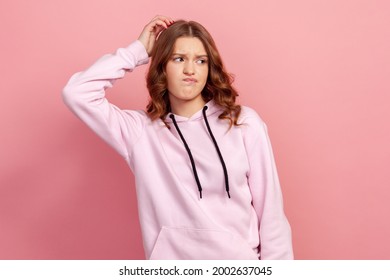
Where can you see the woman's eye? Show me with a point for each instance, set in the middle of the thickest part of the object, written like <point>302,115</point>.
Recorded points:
<point>178,59</point>
<point>201,61</point>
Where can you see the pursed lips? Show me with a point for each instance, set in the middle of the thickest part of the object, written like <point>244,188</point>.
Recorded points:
<point>190,80</point>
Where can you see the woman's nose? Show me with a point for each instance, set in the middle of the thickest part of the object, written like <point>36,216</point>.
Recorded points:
<point>188,68</point>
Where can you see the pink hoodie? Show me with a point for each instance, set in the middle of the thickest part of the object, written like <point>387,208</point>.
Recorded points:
<point>176,223</point>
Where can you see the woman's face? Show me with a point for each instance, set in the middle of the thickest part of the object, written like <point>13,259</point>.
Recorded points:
<point>186,72</point>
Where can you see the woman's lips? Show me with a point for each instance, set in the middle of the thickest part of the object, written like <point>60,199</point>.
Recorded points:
<point>190,80</point>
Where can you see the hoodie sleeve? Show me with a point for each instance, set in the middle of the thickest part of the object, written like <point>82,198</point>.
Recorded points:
<point>274,229</point>
<point>84,94</point>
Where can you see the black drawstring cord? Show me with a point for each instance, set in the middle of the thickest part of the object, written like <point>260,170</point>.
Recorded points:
<point>189,154</point>
<point>218,151</point>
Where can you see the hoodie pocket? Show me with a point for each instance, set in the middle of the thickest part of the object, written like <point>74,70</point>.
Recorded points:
<point>200,244</point>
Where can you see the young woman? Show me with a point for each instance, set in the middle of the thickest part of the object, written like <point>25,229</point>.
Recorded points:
<point>206,181</point>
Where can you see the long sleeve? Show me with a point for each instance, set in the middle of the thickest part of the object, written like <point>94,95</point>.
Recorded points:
<point>84,94</point>
<point>274,229</point>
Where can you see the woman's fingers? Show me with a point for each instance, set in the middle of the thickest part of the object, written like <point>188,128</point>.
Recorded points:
<point>153,29</point>
<point>168,21</point>
<point>161,22</point>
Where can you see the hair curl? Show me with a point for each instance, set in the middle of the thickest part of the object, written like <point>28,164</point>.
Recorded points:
<point>219,83</point>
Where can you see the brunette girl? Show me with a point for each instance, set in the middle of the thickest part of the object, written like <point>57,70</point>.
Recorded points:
<point>206,181</point>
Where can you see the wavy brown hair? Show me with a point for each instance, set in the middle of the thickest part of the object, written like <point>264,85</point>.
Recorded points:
<point>219,83</point>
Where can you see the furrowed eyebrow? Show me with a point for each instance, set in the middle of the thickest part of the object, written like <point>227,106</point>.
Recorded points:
<point>197,56</point>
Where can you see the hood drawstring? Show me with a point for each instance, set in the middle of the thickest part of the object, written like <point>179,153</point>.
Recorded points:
<point>189,154</point>
<point>191,157</point>
<point>218,151</point>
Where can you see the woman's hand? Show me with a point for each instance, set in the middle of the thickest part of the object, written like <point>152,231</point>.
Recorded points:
<point>152,30</point>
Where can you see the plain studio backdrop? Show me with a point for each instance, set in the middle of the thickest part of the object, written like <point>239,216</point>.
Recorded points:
<point>317,72</point>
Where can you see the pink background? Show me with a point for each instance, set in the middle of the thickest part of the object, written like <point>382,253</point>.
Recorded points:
<point>316,71</point>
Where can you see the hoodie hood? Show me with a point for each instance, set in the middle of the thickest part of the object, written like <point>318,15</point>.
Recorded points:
<point>212,108</point>
<point>202,114</point>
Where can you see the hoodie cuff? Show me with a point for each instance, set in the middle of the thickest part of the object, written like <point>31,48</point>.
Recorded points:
<point>139,52</point>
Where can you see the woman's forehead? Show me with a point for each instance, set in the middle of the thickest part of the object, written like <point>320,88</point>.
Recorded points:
<point>189,45</point>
